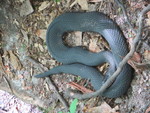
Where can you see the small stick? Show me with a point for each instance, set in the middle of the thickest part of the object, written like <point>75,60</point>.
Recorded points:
<point>121,64</point>
<point>9,85</point>
<point>42,68</point>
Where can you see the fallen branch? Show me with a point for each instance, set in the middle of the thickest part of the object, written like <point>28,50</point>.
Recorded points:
<point>9,85</point>
<point>122,63</point>
<point>49,81</point>
<point>62,100</point>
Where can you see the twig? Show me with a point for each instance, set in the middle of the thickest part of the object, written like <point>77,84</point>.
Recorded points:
<point>38,65</point>
<point>125,14</point>
<point>121,64</point>
<point>145,65</point>
<point>58,95</point>
<point>9,85</point>
<point>42,68</point>
<point>144,37</point>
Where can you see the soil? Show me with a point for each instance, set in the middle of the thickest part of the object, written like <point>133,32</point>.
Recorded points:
<point>23,26</point>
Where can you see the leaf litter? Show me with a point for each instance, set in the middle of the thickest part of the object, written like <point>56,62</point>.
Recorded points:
<point>31,27</point>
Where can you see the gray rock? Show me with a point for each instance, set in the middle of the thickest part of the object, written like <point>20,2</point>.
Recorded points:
<point>26,8</point>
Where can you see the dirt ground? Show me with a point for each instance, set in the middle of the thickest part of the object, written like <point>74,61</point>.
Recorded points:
<point>23,26</point>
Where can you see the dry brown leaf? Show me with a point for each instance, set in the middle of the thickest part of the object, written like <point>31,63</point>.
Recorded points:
<point>41,47</point>
<point>15,61</point>
<point>133,65</point>
<point>28,87</point>
<point>8,72</point>
<point>135,62</point>
<point>103,68</point>
<point>44,5</point>
<point>41,33</point>
<point>93,46</point>
<point>75,2</point>
<point>148,14</point>
<point>148,20</point>
<point>25,35</point>
<point>147,55</point>
<point>136,57</point>
<point>53,15</point>
<point>103,108</point>
<point>136,5</point>
<point>83,4</point>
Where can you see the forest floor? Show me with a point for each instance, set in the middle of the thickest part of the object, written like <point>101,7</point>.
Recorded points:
<point>23,26</point>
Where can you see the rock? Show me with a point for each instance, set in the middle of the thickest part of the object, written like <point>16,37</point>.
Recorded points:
<point>26,8</point>
<point>83,4</point>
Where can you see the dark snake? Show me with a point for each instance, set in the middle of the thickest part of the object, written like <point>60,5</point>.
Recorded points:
<point>79,61</point>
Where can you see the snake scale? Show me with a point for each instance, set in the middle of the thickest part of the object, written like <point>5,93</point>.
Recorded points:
<point>79,61</point>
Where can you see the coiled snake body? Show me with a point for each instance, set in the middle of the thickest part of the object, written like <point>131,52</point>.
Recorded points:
<point>79,61</point>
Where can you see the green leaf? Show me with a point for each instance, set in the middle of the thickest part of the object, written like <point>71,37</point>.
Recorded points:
<point>73,106</point>
<point>78,78</point>
<point>57,0</point>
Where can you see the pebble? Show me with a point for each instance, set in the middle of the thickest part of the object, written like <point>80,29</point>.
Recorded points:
<point>26,8</point>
